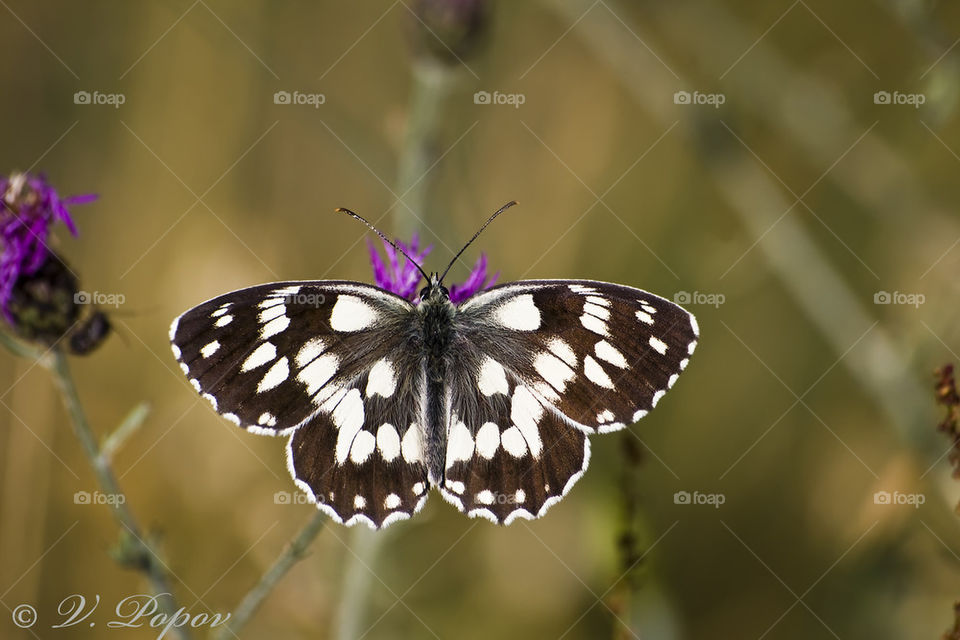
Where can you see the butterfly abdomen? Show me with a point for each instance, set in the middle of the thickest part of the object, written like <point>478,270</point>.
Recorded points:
<point>437,324</point>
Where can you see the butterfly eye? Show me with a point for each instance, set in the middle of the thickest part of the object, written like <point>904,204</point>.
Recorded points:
<point>424,293</point>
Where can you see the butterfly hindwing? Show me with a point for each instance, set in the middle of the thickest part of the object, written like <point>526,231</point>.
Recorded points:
<point>509,454</point>
<point>364,460</point>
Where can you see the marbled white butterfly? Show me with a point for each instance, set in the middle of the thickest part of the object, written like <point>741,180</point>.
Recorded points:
<point>490,401</point>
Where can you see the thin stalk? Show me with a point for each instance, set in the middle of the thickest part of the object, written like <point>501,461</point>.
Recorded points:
<point>296,549</point>
<point>135,550</point>
<point>432,84</point>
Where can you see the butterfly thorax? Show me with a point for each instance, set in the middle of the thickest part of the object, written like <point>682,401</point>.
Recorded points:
<point>436,315</point>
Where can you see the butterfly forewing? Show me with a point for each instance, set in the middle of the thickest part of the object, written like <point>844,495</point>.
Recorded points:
<point>602,354</point>
<point>327,362</point>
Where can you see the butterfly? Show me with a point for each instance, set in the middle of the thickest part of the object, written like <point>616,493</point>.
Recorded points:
<point>490,401</point>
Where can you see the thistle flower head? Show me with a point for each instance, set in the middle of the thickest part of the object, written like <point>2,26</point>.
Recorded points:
<point>399,276</point>
<point>29,207</point>
<point>402,277</point>
<point>476,281</point>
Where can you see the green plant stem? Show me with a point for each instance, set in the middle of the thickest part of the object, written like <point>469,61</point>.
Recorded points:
<point>432,84</point>
<point>135,549</point>
<point>295,550</point>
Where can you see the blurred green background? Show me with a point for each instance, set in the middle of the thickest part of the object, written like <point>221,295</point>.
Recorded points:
<point>784,213</point>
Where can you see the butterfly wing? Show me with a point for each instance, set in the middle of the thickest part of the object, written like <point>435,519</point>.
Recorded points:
<point>319,362</point>
<point>540,365</point>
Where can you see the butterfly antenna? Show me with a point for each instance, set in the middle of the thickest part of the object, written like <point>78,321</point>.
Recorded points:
<point>384,238</point>
<point>479,231</point>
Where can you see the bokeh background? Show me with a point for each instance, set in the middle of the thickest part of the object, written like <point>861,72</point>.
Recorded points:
<point>784,198</point>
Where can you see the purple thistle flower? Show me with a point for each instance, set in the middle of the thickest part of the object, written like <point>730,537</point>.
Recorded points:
<point>403,278</point>
<point>29,207</point>
<point>476,281</point>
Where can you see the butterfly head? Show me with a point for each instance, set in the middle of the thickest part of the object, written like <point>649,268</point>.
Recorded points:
<point>434,291</point>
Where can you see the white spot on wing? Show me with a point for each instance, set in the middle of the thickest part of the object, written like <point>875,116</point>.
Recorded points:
<point>275,326</point>
<point>363,446</point>
<point>392,501</point>
<point>595,324</point>
<point>351,313</point>
<point>267,419</point>
<point>513,442</point>
<point>411,446</point>
<point>694,325</point>
<point>232,417</point>
<point>222,309</point>
<point>224,321</point>
<point>492,379</point>
<point>266,303</point>
<point>562,350</point>
<point>381,379</point>
<point>672,381</point>
<point>485,497</point>
<point>658,345</point>
<point>595,373</point>
<point>644,317</point>
<point>276,374</point>
<point>456,486</point>
<point>209,398</point>
<point>263,354</point>
<point>271,312</point>
<point>657,396</point>
<point>596,310</point>
<point>606,351</point>
<point>318,373</point>
<point>359,502</point>
<point>459,444</point>
<point>388,441</point>
<point>348,418</point>
<point>603,302</point>
<point>310,351</point>
<point>639,414</point>
<point>488,439</point>
<point>553,370</point>
<point>525,412</point>
<point>210,348</point>
<point>519,313</point>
